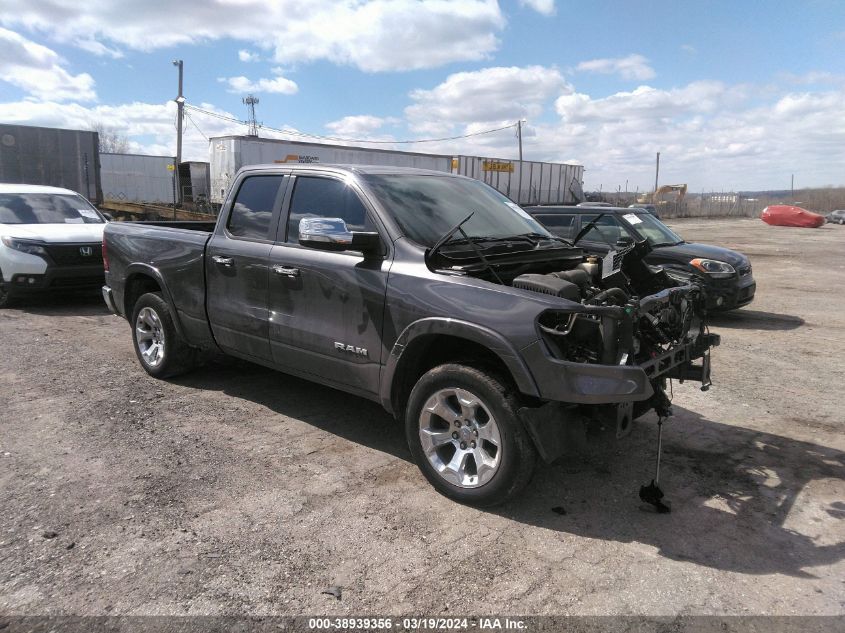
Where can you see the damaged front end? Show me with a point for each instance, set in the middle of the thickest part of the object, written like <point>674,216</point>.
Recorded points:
<point>605,351</point>
<point>604,362</point>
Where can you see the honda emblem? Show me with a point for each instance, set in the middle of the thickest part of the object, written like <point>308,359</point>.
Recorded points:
<point>86,251</point>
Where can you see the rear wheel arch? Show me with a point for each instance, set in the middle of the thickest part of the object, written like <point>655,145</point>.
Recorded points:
<point>142,280</point>
<point>137,285</point>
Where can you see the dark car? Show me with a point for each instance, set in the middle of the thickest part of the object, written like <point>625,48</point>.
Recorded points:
<point>726,274</point>
<point>651,208</point>
<point>836,217</point>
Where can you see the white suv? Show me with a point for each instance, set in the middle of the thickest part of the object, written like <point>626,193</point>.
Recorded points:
<point>50,239</point>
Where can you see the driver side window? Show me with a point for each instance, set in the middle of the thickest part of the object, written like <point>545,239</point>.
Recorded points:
<point>316,197</point>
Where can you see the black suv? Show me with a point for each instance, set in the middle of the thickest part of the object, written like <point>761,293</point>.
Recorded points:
<point>725,274</point>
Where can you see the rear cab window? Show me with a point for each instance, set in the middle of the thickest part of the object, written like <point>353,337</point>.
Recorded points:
<point>251,216</point>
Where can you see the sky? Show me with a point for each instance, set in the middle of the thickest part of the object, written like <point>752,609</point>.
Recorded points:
<point>734,95</point>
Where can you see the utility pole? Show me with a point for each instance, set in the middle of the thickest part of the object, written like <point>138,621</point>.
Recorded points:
<point>250,102</point>
<point>180,109</point>
<point>792,189</point>
<point>656,177</point>
<point>519,138</point>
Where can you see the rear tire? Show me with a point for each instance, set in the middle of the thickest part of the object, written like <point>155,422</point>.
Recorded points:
<point>465,435</point>
<point>158,346</point>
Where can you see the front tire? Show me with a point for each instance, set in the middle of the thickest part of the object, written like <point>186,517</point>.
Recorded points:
<point>6,299</point>
<point>466,437</point>
<point>158,346</point>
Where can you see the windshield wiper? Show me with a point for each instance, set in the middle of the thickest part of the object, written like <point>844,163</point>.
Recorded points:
<point>586,229</point>
<point>491,238</point>
<point>446,237</point>
<point>471,241</point>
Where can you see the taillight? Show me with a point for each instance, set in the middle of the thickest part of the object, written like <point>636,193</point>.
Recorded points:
<point>105,256</point>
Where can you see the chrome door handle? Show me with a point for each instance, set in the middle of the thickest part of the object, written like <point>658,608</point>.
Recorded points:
<point>286,270</point>
<point>223,261</point>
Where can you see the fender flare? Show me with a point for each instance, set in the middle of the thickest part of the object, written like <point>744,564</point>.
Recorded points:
<point>153,272</point>
<point>447,326</point>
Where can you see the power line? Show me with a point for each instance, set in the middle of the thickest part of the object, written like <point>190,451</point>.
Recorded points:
<point>350,140</point>
<point>194,123</point>
<point>406,142</point>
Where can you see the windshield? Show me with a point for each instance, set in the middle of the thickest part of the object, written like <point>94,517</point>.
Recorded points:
<point>652,229</point>
<point>46,208</point>
<point>426,207</point>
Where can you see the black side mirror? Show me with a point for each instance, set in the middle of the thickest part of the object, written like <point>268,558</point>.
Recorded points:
<point>624,242</point>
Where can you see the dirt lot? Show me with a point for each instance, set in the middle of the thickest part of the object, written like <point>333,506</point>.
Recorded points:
<point>239,490</point>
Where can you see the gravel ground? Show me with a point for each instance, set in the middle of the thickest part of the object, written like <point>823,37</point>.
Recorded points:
<point>237,490</point>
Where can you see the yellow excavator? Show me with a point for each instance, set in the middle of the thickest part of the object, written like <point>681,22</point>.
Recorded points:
<point>659,197</point>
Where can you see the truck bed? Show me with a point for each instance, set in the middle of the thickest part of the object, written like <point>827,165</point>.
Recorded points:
<point>172,254</point>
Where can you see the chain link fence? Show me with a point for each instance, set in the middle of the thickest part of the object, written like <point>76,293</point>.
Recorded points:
<point>724,204</point>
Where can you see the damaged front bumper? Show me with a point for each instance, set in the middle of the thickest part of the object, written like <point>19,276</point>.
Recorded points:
<point>581,383</point>
<point>616,379</point>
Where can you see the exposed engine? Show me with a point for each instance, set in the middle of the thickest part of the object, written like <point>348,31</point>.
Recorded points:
<point>618,310</point>
<point>629,311</point>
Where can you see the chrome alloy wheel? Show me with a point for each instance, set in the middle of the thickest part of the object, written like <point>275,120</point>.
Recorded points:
<point>149,335</point>
<point>460,438</point>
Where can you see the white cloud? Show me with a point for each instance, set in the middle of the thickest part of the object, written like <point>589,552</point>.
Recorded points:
<point>644,103</point>
<point>487,95</point>
<point>248,56</point>
<point>382,35</point>
<point>243,85</point>
<point>148,126</point>
<point>40,71</point>
<point>98,48</point>
<point>546,7</point>
<point>360,126</point>
<point>711,135</point>
<point>630,67</point>
<point>813,77</point>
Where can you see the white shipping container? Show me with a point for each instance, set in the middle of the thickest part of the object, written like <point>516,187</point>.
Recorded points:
<point>230,153</point>
<point>138,178</point>
<point>528,182</point>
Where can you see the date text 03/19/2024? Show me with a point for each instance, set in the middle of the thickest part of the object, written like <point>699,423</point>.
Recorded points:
<point>417,624</point>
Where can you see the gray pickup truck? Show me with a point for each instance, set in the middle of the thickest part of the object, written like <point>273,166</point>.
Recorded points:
<point>489,338</point>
